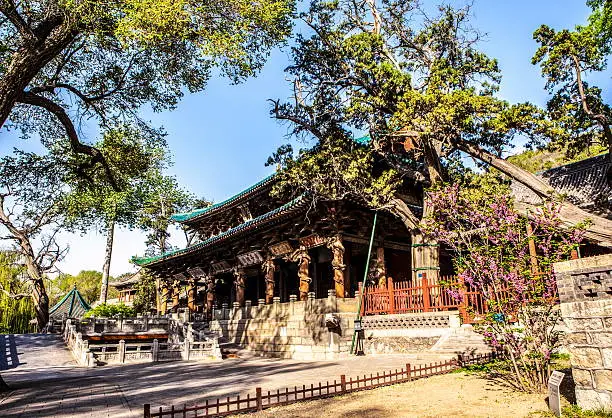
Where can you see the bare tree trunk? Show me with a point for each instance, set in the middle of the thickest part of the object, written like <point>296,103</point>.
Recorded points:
<point>39,293</point>
<point>107,261</point>
<point>599,229</point>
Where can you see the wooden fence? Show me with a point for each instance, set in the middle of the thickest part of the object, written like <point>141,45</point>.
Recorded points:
<point>429,295</point>
<point>263,400</point>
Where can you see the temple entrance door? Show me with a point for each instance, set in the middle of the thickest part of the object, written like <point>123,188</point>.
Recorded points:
<point>224,289</point>
<point>253,288</point>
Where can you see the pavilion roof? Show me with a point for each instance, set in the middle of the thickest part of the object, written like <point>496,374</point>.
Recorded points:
<point>199,214</point>
<point>254,223</point>
<point>72,304</point>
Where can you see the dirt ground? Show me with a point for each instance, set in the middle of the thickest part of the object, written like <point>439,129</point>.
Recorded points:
<point>451,395</point>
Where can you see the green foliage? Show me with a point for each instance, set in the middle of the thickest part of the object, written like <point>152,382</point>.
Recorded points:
<point>87,282</point>
<point>414,81</point>
<point>538,160</point>
<point>111,311</point>
<point>146,292</point>
<point>567,59</point>
<point>15,312</point>
<point>574,411</point>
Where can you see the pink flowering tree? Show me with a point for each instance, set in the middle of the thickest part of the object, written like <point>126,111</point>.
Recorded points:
<point>491,242</point>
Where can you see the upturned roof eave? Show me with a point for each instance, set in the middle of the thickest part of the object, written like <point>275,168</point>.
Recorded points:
<point>264,219</point>
<point>200,214</point>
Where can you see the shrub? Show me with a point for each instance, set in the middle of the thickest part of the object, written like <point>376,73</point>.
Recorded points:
<point>111,310</point>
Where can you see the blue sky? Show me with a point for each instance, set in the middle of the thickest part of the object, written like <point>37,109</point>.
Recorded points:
<point>220,138</point>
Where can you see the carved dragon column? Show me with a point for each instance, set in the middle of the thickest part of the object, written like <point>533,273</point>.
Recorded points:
<point>337,249</point>
<point>240,280</point>
<point>210,296</point>
<point>269,267</point>
<point>301,257</point>
<point>164,294</point>
<point>176,292</point>
<point>380,269</point>
<point>191,294</point>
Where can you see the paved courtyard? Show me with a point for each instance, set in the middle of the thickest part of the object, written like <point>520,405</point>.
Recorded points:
<point>120,391</point>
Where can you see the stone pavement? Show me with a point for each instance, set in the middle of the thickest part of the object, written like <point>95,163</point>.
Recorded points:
<point>30,351</point>
<point>120,391</point>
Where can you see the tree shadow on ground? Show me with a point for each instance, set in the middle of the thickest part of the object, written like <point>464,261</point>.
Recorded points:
<point>122,390</point>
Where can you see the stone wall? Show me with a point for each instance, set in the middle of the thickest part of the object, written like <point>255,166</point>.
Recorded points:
<point>585,292</point>
<point>297,329</point>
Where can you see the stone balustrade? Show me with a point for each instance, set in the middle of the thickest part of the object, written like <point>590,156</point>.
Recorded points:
<point>197,345</point>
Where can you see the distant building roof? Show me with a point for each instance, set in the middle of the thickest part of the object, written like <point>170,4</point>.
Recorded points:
<point>583,183</point>
<point>73,305</point>
<point>127,280</point>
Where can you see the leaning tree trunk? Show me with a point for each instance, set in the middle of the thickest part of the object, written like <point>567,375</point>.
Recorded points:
<point>599,229</point>
<point>425,252</point>
<point>107,261</point>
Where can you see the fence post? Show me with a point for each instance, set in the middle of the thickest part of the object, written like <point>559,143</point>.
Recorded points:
<point>259,400</point>
<point>187,349</point>
<point>343,383</point>
<point>155,350</point>
<point>409,371</point>
<point>121,349</point>
<point>147,410</point>
<point>426,300</point>
<point>391,295</point>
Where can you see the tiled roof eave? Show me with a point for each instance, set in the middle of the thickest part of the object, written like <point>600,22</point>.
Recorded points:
<point>264,219</point>
<point>200,214</point>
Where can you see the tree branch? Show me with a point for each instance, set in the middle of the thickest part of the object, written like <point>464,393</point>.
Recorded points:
<point>77,146</point>
<point>9,9</point>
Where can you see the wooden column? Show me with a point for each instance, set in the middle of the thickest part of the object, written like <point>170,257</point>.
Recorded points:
<point>425,256</point>
<point>239,282</point>
<point>301,257</point>
<point>176,293</point>
<point>269,267</point>
<point>210,296</point>
<point>380,269</point>
<point>191,294</point>
<point>533,255</point>
<point>426,298</point>
<point>337,249</point>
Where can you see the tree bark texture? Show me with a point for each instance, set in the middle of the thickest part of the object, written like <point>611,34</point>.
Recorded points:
<point>108,254</point>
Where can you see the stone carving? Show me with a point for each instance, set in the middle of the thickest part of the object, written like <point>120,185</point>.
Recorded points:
<point>332,321</point>
<point>269,267</point>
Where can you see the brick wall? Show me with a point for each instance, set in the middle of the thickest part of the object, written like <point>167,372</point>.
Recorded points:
<point>585,292</point>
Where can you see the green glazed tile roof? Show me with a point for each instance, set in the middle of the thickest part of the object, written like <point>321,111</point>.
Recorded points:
<point>286,208</point>
<point>188,216</point>
<point>73,305</point>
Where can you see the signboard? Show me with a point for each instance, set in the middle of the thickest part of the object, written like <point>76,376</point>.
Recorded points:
<point>250,258</point>
<point>554,399</point>
<point>281,248</point>
<point>196,272</point>
<point>180,277</point>
<point>220,267</point>
<point>312,241</point>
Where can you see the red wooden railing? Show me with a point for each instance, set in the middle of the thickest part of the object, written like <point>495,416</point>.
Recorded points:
<point>428,295</point>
